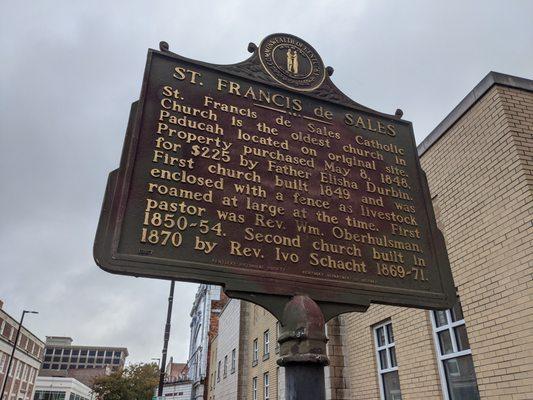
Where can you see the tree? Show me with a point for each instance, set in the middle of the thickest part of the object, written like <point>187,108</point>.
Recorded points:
<point>135,382</point>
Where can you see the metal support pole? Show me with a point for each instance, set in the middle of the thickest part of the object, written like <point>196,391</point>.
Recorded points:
<point>303,349</point>
<point>165,341</point>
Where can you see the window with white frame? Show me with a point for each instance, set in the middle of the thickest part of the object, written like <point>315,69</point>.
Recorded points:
<point>266,344</point>
<point>266,386</point>
<point>389,381</point>
<point>255,352</point>
<point>233,360</point>
<point>254,388</point>
<point>456,367</point>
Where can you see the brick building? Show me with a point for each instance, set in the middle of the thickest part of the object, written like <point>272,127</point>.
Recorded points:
<point>26,362</point>
<point>478,161</point>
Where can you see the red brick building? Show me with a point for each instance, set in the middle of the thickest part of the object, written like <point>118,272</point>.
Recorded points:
<point>26,362</point>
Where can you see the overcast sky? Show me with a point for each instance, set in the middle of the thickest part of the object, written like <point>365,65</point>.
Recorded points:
<point>70,69</point>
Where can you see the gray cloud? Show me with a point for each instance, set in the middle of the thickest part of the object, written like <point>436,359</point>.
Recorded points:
<point>70,71</point>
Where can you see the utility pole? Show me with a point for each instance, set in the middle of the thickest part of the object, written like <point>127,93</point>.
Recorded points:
<point>24,312</point>
<point>165,341</point>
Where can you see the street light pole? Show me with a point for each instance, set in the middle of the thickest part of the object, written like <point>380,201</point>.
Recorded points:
<point>24,312</point>
<point>165,342</point>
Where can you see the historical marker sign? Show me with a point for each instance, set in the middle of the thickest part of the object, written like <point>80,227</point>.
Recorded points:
<point>263,177</point>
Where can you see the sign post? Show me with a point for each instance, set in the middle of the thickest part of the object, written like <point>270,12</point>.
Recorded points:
<point>263,177</point>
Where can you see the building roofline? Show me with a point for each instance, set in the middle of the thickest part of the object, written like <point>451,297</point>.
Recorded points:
<point>490,80</point>
<point>24,329</point>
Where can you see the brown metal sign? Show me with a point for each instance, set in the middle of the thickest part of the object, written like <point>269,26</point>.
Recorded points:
<point>263,177</point>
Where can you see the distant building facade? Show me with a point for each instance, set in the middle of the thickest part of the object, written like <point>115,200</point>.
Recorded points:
<point>61,354</point>
<point>228,353</point>
<point>265,379</point>
<point>205,312</point>
<point>26,362</point>
<point>178,390</point>
<point>244,354</point>
<point>175,372</point>
<point>479,164</point>
<point>56,388</point>
<point>84,363</point>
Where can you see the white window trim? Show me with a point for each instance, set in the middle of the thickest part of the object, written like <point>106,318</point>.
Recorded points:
<point>266,342</point>
<point>254,388</point>
<point>455,354</point>
<point>385,347</point>
<point>266,386</point>
<point>255,350</point>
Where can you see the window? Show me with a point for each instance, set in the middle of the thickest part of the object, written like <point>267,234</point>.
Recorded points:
<point>19,370</point>
<point>266,386</point>
<point>218,372</point>
<point>389,381</point>
<point>233,360</point>
<point>3,361</point>
<point>278,332</point>
<point>455,357</point>
<point>266,345</point>
<point>225,365</point>
<point>255,352</point>
<point>254,388</point>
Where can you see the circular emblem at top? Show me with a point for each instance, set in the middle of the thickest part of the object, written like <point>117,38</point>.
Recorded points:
<point>292,62</point>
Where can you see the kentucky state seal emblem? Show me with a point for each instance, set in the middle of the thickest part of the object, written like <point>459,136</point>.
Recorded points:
<point>292,62</point>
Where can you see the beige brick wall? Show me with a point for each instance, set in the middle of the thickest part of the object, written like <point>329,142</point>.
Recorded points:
<point>260,320</point>
<point>480,175</point>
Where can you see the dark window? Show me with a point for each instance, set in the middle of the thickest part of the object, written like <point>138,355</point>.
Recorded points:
<point>83,352</point>
<point>92,352</point>
<point>108,360</point>
<point>90,360</point>
<point>83,360</point>
<point>454,354</point>
<point>116,362</point>
<point>63,366</point>
<point>100,353</point>
<point>46,366</point>
<point>118,353</point>
<point>99,360</point>
<point>49,351</point>
<point>108,353</point>
<point>54,366</point>
<point>66,352</point>
<point>47,358</point>
<point>75,352</point>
